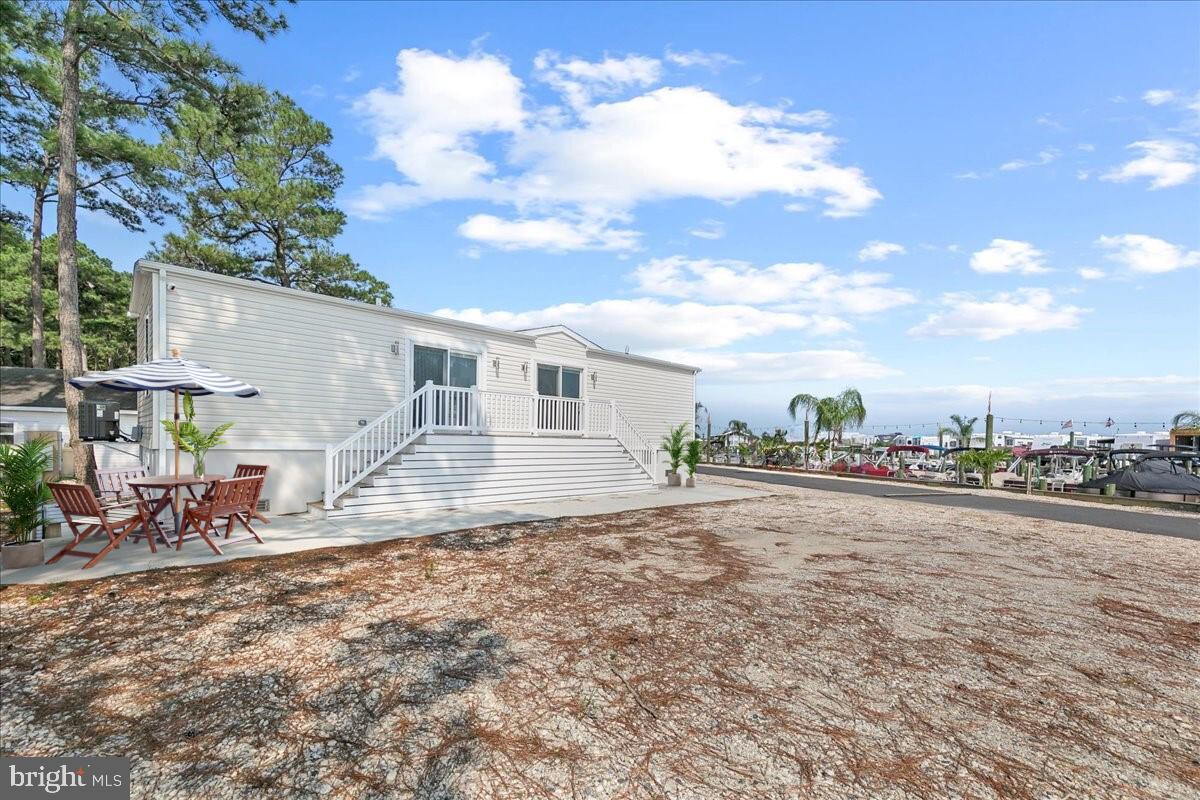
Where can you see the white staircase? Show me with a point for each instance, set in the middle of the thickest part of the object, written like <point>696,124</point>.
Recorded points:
<point>452,470</point>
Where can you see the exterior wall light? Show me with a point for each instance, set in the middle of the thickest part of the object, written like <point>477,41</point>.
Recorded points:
<point>496,366</point>
<point>595,376</point>
<point>396,348</point>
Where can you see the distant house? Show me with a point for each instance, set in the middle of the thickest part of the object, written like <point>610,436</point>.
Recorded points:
<point>32,406</point>
<point>729,439</point>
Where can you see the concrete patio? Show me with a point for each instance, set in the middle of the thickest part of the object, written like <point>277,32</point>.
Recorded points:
<point>295,533</point>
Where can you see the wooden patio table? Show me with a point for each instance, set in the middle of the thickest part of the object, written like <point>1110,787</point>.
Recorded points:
<point>171,488</point>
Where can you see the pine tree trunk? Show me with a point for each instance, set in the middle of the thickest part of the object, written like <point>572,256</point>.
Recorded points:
<point>36,309</point>
<point>68,273</point>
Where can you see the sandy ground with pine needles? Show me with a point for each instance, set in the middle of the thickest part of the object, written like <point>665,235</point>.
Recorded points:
<point>807,644</point>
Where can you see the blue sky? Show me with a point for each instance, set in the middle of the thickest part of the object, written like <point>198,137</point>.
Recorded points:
<point>704,182</point>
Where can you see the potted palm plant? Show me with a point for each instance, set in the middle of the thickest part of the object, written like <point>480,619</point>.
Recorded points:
<point>190,439</point>
<point>674,443</point>
<point>691,459</point>
<point>23,492</point>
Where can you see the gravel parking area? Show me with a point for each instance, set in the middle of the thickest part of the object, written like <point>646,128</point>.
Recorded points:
<point>807,644</point>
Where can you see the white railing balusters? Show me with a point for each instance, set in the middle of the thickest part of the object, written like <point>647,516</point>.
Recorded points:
<point>642,451</point>
<point>454,408</point>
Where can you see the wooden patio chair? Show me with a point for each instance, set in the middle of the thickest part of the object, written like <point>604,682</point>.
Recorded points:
<point>85,516</point>
<point>115,491</point>
<point>246,471</point>
<point>253,471</point>
<point>228,501</point>
<point>114,483</point>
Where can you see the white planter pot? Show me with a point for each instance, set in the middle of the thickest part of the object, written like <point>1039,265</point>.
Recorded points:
<point>16,556</point>
<point>691,482</point>
<point>673,479</point>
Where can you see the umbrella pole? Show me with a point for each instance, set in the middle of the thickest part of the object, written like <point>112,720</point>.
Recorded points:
<point>175,492</point>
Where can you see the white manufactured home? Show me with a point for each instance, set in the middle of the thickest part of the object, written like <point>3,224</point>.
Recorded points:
<point>368,409</point>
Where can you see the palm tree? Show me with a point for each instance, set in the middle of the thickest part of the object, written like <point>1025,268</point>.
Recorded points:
<point>962,428</point>
<point>850,410</point>
<point>809,403</point>
<point>1186,419</point>
<point>831,414</point>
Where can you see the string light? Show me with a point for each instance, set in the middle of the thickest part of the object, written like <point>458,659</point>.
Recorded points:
<point>900,426</point>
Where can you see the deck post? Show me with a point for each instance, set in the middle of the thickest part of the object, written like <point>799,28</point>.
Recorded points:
<point>328,498</point>
<point>475,417</point>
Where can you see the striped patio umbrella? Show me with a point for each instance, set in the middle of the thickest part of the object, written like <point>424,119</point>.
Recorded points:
<point>174,374</point>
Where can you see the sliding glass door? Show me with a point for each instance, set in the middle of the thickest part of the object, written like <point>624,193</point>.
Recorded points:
<point>559,393</point>
<point>444,368</point>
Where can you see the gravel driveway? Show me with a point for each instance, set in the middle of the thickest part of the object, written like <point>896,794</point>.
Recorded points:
<point>807,644</point>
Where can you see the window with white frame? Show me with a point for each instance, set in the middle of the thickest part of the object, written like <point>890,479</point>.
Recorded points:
<point>556,381</point>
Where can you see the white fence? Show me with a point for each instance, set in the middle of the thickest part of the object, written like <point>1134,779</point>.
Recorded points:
<point>431,409</point>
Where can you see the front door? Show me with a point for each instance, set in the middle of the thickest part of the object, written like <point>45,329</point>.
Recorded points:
<point>444,368</point>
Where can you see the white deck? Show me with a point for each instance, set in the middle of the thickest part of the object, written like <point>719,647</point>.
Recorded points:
<point>296,533</point>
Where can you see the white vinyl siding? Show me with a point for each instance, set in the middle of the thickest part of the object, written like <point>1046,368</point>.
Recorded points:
<point>654,398</point>
<point>141,308</point>
<point>324,364</point>
<point>321,366</point>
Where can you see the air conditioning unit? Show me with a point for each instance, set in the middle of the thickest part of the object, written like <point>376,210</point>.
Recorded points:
<point>99,421</point>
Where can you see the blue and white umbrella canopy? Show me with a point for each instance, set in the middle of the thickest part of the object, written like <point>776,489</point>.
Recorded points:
<point>174,374</point>
<point>167,375</point>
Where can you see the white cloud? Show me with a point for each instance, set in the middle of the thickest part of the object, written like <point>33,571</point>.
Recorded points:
<point>1004,314</point>
<point>1048,121</point>
<point>696,58</point>
<point>1166,162</point>
<point>798,365</point>
<point>1158,97</point>
<point>463,128</point>
<point>650,325</point>
<point>351,75</point>
<point>804,287</point>
<point>1146,254</point>
<point>427,128</point>
<point>878,251</point>
<point>1044,157</point>
<point>970,175</point>
<point>580,81</point>
<point>1091,273</point>
<point>1008,255</point>
<point>708,229</point>
<point>555,234</point>
<point>1086,147</point>
<point>684,142</point>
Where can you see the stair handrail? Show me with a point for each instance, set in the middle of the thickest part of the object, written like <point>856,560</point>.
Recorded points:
<point>635,443</point>
<point>364,451</point>
<point>351,460</point>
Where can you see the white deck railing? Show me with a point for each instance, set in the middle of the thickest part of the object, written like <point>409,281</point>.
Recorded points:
<point>469,410</point>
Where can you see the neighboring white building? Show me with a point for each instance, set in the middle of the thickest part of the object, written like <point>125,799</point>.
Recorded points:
<point>549,412</point>
<point>32,406</point>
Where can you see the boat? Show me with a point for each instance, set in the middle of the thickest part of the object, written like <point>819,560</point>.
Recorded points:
<point>1062,467</point>
<point>894,462</point>
<point>1154,476</point>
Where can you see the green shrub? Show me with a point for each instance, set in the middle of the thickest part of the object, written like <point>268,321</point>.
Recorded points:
<point>674,443</point>
<point>691,458</point>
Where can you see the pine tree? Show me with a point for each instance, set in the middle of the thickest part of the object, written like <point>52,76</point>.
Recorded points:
<point>154,66</point>
<point>260,197</point>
